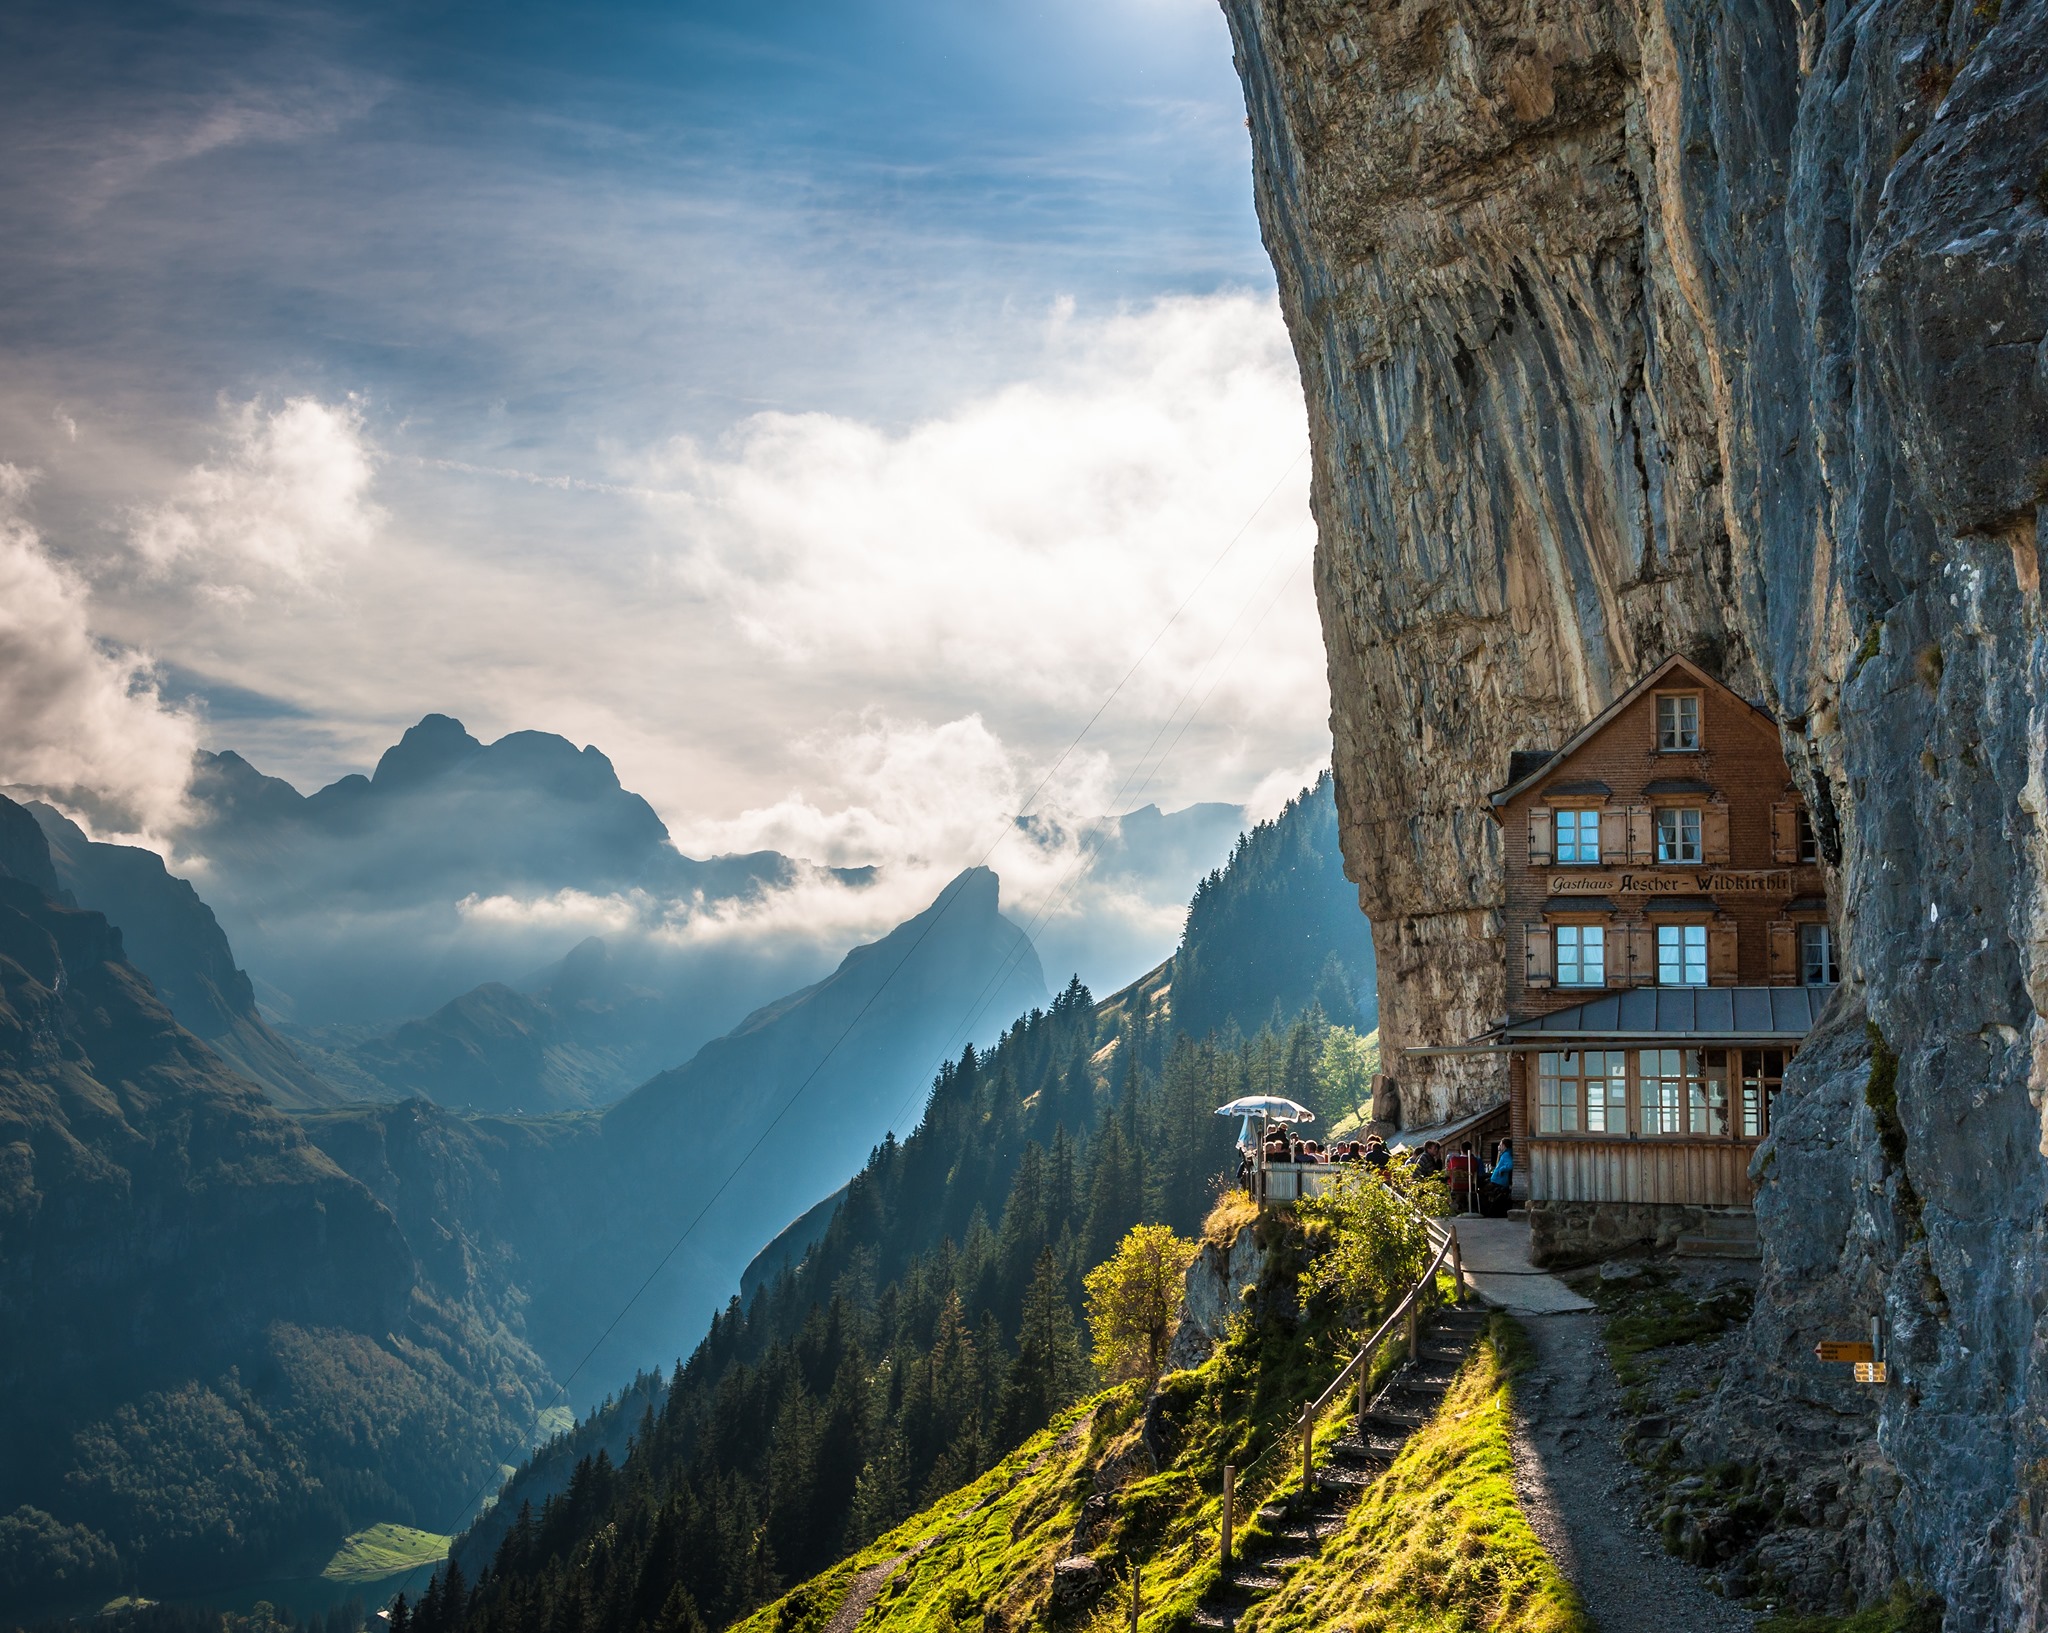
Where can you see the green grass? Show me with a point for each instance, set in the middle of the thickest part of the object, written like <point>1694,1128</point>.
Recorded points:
<point>1439,1542</point>
<point>385,1550</point>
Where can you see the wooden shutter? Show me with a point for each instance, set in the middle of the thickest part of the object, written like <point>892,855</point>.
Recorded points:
<point>1785,831</point>
<point>1714,831</point>
<point>1784,953</point>
<point>1642,834</point>
<point>1536,940</point>
<point>1614,834</point>
<point>1721,949</point>
<point>1642,955</point>
<point>1541,846</point>
<point>1620,971</point>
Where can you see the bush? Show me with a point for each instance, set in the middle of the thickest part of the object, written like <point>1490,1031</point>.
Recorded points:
<point>1369,1244</point>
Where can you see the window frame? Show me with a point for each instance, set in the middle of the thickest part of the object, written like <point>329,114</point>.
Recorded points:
<point>1576,929</point>
<point>1824,932</point>
<point>1806,840</point>
<point>1699,824</point>
<point>1575,818</point>
<point>1684,962</point>
<point>1699,721</point>
<point>1659,1094</point>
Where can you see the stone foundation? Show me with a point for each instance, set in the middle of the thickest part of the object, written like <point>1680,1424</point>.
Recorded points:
<point>1569,1233</point>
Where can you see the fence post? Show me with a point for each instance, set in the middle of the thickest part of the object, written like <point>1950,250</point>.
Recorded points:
<point>1308,1446</point>
<point>1229,1501</point>
<point>1364,1388</point>
<point>1458,1264</point>
<point>1134,1596</point>
<point>1414,1334</point>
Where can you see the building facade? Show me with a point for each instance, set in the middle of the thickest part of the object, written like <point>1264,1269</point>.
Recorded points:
<point>1669,945</point>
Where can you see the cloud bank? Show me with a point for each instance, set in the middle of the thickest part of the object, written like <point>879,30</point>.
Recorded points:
<point>77,714</point>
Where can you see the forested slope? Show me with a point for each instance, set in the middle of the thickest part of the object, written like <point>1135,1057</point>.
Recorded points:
<point>935,1323</point>
<point>219,1350</point>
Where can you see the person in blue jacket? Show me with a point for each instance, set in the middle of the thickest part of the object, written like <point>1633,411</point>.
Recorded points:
<point>1504,1165</point>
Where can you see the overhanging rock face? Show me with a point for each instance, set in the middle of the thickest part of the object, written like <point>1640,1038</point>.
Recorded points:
<point>1718,328</point>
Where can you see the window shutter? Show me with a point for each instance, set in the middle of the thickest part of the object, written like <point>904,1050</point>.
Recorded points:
<point>1619,973</point>
<point>1714,831</point>
<point>1541,847</point>
<point>1642,834</point>
<point>1642,955</point>
<point>1785,831</point>
<point>1784,953</point>
<point>1540,967</point>
<point>1721,947</point>
<point>1614,834</point>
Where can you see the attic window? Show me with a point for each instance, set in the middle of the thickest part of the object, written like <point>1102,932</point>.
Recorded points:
<point>1678,722</point>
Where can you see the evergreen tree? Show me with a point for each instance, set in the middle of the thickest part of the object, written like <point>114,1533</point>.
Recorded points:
<point>1049,1370</point>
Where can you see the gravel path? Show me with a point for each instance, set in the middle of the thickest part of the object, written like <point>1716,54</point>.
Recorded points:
<point>1582,1495</point>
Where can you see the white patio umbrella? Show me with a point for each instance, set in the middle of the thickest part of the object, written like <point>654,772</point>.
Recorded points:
<point>1265,1108</point>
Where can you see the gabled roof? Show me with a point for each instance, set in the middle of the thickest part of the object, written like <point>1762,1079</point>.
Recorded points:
<point>1692,1014</point>
<point>1521,775</point>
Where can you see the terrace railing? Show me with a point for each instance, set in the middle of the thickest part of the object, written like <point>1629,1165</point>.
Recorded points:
<point>1357,1374</point>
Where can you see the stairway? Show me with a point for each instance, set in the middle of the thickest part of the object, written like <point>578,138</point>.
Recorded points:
<point>1296,1529</point>
<point>1722,1236</point>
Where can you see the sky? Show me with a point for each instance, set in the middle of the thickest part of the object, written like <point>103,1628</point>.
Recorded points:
<point>828,410</point>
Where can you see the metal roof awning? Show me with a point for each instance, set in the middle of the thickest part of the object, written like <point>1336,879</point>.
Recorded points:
<point>1658,1015</point>
<point>1680,1014</point>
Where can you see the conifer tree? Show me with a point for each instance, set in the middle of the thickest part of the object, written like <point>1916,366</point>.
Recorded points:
<point>1049,1370</point>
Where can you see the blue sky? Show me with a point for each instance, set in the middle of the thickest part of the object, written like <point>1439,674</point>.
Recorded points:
<point>812,405</point>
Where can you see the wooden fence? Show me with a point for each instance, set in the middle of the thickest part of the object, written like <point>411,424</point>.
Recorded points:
<point>1357,1372</point>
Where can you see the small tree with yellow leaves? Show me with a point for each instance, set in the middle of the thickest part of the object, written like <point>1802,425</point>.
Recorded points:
<point>1133,1297</point>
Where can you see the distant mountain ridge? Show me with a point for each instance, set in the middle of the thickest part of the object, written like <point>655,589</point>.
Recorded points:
<point>173,938</point>
<point>220,1347</point>
<point>576,1209</point>
<point>371,900</point>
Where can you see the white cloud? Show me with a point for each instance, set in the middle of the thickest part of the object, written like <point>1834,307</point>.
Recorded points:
<point>283,500</point>
<point>79,718</point>
<point>1026,545</point>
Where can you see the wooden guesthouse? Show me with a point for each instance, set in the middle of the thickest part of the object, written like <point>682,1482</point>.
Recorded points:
<point>1669,946</point>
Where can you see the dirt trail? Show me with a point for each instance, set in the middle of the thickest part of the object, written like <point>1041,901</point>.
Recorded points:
<point>1582,1495</point>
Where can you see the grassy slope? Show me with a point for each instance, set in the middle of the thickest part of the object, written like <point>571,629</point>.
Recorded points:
<point>1439,1544</point>
<point>384,1550</point>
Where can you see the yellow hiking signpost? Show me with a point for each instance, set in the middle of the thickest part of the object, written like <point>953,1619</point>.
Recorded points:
<point>1866,1358</point>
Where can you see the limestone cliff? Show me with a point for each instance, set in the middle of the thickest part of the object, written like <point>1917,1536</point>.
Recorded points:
<point>1718,327</point>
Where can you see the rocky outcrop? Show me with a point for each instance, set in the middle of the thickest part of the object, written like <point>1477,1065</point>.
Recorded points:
<point>1718,327</point>
<point>1214,1292</point>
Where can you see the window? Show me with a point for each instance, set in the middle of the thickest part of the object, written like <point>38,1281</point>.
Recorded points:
<point>1809,841</point>
<point>1707,1095</point>
<point>1678,834</point>
<point>1662,1086</point>
<point>1607,1091</point>
<point>1681,955</point>
<point>1817,956</point>
<point>1762,1071</point>
<point>1557,1093</point>
<point>1578,836</point>
<point>1581,955</point>
<point>1582,1090</point>
<point>1678,724</point>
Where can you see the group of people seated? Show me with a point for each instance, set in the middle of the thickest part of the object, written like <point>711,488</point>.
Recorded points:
<point>1474,1188</point>
<point>1284,1147</point>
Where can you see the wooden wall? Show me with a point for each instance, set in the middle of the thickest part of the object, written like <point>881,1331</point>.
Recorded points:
<point>1711,1174</point>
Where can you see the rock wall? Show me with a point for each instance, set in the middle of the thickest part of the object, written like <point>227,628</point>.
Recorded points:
<point>1718,326</point>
